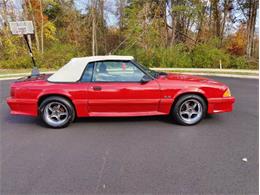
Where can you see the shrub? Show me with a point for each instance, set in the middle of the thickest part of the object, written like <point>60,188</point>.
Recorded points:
<point>16,63</point>
<point>55,56</point>
<point>238,62</point>
<point>176,56</point>
<point>205,56</point>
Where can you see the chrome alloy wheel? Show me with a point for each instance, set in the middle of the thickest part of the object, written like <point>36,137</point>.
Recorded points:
<point>190,111</point>
<point>55,113</point>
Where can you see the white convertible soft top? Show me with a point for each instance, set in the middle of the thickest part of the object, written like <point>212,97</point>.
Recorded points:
<point>72,71</point>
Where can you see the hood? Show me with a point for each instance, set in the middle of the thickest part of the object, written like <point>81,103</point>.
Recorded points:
<point>189,78</point>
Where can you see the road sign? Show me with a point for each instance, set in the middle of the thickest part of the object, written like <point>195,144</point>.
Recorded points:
<point>24,28</point>
<point>21,27</point>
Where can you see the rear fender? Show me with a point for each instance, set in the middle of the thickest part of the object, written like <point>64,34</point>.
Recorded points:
<point>54,92</point>
<point>80,107</point>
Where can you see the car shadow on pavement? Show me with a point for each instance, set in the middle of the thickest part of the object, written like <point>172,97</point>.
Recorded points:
<point>121,119</point>
<point>18,119</point>
<point>164,119</point>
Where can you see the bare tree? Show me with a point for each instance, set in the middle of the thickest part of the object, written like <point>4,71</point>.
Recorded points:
<point>94,32</point>
<point>227,5</point>
<point>25,17</point>
<point>34,24</point>
<point>201,16</point>
<point>42,33</point>
<point>5,18</point>
<point>216,17</point>
<point>174,21</point>
<point>252,9</point>
<point>121,4</point>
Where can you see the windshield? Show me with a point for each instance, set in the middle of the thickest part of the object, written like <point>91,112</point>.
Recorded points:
<point>153,73</point>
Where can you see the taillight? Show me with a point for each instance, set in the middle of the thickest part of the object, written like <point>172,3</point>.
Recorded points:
<point>12,92</point>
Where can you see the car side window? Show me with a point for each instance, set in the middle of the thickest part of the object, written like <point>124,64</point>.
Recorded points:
<point>87,75</point>
<point>117,71</point>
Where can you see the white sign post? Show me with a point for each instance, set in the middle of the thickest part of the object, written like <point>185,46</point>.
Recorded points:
<point>23,28</point>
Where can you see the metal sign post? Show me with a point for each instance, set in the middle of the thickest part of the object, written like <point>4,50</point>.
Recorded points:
<point>24,28</point>
<point>30,50</point>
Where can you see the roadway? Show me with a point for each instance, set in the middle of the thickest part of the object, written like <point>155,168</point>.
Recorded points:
<point>134,155</point>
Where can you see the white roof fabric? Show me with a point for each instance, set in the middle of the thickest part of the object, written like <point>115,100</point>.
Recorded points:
<point>72,71</point>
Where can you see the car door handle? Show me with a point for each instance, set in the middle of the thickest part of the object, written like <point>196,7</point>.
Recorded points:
<point>97,88</point>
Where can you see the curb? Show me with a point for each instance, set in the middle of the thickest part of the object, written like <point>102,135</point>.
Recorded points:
<point>202,74</point>
<point>224,75</point>
<point>19,75</point>
<point>209,70</point>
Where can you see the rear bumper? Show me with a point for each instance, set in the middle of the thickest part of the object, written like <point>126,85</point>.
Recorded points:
<point>218,105</point>
<point>23,106</point>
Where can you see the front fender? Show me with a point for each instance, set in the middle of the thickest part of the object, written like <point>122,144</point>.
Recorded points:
<point>190,90</point>
<point>167,101</point>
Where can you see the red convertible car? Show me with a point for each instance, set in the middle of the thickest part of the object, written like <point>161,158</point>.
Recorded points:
<point>116,86</point>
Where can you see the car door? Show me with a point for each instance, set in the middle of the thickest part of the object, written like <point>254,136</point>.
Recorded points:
<point>116,90</point>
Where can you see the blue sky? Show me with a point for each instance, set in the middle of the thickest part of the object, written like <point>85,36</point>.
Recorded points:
<point>110,6</point>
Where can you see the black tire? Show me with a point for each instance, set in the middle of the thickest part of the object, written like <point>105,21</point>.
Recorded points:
<point>175,112</point>
<point>64,102</point>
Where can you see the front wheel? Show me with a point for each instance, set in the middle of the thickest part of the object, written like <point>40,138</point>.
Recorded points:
<point>57,112</point>
<point>189,109</point>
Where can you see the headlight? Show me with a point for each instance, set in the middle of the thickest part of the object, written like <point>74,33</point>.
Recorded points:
<point>227,93</point>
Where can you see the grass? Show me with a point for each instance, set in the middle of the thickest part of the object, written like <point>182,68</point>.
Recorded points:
<point>210,72</point>
<point>22,71</point>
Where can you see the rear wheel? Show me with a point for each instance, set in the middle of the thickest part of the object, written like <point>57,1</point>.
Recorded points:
<point>57,112</point>
<point>189,109</point>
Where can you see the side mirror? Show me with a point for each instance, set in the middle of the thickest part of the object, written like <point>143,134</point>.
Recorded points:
<point>145,79</point>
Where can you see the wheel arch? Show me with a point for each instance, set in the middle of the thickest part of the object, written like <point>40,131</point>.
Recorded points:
<point>44,96</point>
<point>198,93</point>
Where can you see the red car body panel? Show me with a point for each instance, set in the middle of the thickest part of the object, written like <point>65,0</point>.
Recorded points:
<point>123,98</point>
<point>119,99</point>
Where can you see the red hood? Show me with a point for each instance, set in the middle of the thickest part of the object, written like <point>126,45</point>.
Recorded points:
<point>190,78</point>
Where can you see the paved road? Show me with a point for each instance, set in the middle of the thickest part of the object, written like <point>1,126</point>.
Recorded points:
<point>135,155</point>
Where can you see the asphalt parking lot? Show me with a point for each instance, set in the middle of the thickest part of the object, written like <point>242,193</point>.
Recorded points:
<point>134,155</point>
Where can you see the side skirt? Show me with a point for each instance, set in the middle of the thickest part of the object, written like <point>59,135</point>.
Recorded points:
<point>125,114</point>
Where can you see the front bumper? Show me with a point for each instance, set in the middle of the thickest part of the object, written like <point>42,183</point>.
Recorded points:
<point>218,105</point>
<point>22,106</point>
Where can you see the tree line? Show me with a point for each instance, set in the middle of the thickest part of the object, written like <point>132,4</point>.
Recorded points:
<point>159,33</point>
